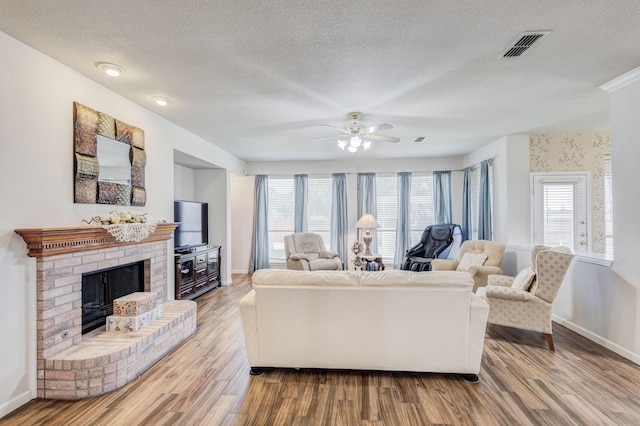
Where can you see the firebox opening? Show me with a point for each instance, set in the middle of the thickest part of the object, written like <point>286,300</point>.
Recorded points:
<point>100,288</point>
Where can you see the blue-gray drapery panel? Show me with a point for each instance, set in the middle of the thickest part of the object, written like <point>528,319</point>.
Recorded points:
<point>484,203</point>
<point>403,224</point>
<point>339,216</point>
<point>466,205</point>
<point>442,196</point>
<point>367,203</point>
<point>300,212</point>
<point>260,241</point>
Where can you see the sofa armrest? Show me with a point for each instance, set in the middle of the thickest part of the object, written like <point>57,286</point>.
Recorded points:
<point>328,254</point>
<point>508,293</point>
<point>444,265</point>
<point>481,273</point>
<point>249,318</point>
<point>478,316</point>
<point>299,256</point>
<point>500,280</point>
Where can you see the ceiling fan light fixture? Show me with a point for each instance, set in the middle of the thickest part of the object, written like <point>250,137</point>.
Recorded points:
<point>342,144</point>
<point>352,148</point>
<point>366,145</point>
<point>355,141</point>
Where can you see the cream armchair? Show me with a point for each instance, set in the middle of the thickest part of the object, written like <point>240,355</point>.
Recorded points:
<point>482,259</point>
<point>305,251</point>
<point>516,303</point>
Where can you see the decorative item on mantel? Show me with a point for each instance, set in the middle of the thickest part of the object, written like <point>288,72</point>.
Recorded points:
<point>125,226</point>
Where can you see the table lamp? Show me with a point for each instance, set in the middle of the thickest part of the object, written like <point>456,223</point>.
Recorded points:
<point>367,221</point>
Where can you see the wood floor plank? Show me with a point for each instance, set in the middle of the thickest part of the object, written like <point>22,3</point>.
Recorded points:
<point>205,381</point>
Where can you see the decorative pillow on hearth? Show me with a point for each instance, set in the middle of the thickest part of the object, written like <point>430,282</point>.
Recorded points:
<point>523,280</point>
<point>471,259</point>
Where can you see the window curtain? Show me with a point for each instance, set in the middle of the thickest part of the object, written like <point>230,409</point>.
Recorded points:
<point>485,231</point>
<point>367,203</point>
<point>339,216</point>
<point>442,196</point>
<point>260,241</point>
<point>300,203</point>
<point>466,205</point>
<point>403,224</point>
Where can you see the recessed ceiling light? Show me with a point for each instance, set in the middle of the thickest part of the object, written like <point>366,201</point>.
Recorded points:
<point>161,101</point>
<point>111,70</point>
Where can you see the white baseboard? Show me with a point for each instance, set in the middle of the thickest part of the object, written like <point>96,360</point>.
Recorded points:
<point>15,403</point>
<point>631,356</point>
<point>239,271</point>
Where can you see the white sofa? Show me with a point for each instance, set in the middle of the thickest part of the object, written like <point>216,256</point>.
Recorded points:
<point>391,320</point>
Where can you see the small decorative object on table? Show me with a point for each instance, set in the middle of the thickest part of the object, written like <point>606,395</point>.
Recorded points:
<point>125,226</point>
<point>356,248</point>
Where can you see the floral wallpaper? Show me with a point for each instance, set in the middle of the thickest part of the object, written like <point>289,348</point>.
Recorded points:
<point>569,152</point>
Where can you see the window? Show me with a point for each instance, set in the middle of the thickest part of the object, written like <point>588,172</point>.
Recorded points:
<point>319,207</point>
<point>608,205</point>
<point>561,209</point>
<point>386,205</point>
<point>280,215</point>
<point>422,214</point>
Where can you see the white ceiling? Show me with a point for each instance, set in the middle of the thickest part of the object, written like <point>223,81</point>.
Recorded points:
<point>258,78</point>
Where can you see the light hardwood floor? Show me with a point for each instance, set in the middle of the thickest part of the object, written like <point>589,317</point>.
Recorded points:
<point>206,381</point>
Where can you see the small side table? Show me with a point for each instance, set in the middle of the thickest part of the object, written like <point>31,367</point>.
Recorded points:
<point>373,258</point>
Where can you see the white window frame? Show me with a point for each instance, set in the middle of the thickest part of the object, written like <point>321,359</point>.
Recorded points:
<point>562,177</point>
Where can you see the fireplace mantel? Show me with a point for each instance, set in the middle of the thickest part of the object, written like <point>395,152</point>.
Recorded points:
<point>44,242</point>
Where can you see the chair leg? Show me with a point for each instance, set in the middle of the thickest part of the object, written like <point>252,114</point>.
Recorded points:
<point>550,341</point>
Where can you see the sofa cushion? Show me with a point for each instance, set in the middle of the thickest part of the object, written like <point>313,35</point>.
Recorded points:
<point>523,280</point>
<point>471,259</point>
<point>292,277</point>
<point>411,278</point>
<point>323,264</point>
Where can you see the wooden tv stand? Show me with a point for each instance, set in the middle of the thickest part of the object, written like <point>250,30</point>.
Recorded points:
<point>197,272</point>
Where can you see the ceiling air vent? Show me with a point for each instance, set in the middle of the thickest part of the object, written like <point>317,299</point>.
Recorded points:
<point>523,43</point>
<point>420,139</point>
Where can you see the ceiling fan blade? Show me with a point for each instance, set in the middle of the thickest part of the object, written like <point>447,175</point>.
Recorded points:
<point>342,129</point>
<point>324,137</point>
<point>383,138</point>
<point>383,126</point>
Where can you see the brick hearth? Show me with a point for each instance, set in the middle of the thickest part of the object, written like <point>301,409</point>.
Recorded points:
<point>70,365</point>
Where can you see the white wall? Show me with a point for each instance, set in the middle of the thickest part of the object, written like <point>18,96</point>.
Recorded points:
<point>242,188</point>
<point>36,162</point>
<point>214,187</point>
<point>183,183</point>
<point>511,203</point>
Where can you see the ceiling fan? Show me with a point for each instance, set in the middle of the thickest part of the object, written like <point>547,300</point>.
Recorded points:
<point>356,135</point>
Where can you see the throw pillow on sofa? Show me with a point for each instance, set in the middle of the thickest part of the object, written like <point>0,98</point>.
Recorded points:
<point>471,259</point>
<point>523,280</point>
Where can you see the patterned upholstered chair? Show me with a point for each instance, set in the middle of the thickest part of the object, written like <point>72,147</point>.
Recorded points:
<point>525,301</point>
<point>480,258</point>
<point>305,251</point>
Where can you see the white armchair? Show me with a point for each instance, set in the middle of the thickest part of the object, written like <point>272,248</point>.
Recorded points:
<point>305,251</point>
<point>525,301</point>
<point>489,262</point>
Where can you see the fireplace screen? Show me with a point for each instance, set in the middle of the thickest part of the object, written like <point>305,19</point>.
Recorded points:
<point>100,288</point>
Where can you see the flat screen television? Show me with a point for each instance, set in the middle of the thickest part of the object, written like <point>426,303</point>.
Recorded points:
<point>193,230</point>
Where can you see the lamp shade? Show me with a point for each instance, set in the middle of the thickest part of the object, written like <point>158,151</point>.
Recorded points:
<point>367,221</point>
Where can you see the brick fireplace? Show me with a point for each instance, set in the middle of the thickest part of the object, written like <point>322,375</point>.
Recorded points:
<point>71,365</point>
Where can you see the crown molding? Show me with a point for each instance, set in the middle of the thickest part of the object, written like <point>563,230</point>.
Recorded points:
<point>622,81</point>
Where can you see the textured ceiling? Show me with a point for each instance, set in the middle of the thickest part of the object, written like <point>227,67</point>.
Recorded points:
<point>258,78</point>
